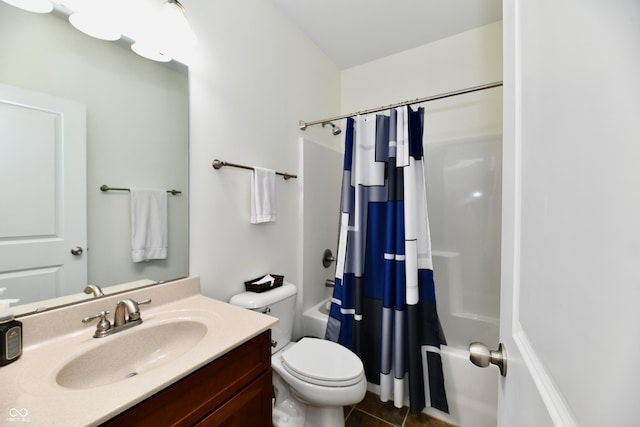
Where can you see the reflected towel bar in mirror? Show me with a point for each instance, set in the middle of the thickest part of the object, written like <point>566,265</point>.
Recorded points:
<point>105,187</point>
<point>217,164</point>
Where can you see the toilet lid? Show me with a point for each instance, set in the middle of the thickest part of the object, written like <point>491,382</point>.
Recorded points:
<point>323,362</point>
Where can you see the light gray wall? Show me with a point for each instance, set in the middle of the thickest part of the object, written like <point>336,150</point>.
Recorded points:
<point>467,59</point>
<point>252,77</point>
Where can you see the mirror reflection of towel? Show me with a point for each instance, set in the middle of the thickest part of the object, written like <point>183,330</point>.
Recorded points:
<point>149,228</point>
<point>263,196</point>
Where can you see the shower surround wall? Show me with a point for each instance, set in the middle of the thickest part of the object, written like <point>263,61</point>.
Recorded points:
<point>320,205</point>
<point>463,171</point>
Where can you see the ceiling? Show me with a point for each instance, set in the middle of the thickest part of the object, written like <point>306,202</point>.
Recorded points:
<point>352,32</point>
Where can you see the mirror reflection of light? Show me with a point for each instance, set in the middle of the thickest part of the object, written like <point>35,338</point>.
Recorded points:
<point>149,51</point>
<point>97,19</point>
<point>159,33</point>
<point>476,194</point>
<point>38,6</point>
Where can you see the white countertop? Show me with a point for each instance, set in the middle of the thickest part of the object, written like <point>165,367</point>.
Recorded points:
<point>28,388</point>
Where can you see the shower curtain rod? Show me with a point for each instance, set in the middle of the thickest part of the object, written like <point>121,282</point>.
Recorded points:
<point>303,125</point>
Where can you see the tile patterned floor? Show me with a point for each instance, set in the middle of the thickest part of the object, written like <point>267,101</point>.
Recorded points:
<point>373,413</point>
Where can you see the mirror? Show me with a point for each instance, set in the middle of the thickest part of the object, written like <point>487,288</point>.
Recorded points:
<point>136,136</point>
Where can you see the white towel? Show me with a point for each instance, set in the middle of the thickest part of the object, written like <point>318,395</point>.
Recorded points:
<point>263,196</point>
<point>148,224</point>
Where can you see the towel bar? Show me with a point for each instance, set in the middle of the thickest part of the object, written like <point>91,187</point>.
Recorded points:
<point>217,164</point>
<point>105,187</point>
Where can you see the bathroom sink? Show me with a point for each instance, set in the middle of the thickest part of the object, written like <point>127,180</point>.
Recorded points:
<point>65,374</point>
<point>133,353</point>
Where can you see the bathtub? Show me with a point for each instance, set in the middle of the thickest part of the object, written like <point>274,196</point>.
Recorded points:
<point>314,320</point>
<point>472,392</point>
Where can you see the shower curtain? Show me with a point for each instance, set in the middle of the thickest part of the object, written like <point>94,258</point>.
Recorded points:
<point>383,306</point>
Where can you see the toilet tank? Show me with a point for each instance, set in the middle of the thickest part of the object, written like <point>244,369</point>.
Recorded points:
<point>278,302</point>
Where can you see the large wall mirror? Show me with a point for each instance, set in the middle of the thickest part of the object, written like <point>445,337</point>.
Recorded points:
<point>136,136</point>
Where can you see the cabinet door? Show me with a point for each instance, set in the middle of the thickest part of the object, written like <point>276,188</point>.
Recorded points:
<point>210,389</point>
<point>250,407</point>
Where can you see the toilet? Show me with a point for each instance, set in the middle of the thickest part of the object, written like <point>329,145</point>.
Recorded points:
<point>312,378</point>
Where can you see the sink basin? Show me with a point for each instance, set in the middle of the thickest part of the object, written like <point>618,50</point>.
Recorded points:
<point>134,352</point>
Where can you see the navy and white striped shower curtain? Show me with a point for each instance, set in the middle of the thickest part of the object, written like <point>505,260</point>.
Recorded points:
<point>383,306</point>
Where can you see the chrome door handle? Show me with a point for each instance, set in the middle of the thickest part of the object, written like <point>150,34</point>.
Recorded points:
<point>480,355</point>
<point>77,251</point>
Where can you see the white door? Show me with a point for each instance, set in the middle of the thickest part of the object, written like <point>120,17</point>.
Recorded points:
<point>570,320</point>
<point>43,193</point>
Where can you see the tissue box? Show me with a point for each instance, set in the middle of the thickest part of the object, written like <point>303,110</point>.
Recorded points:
<point>251,286</point>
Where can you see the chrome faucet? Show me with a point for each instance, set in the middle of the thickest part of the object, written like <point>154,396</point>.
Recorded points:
<point>125,307</point>
<point>95,290</point>
<point>128,307</point>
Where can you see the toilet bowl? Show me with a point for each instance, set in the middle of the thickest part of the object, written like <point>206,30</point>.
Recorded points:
<point>313,378</point>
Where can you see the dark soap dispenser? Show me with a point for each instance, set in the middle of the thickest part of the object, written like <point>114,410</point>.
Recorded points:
<point>10,333</point>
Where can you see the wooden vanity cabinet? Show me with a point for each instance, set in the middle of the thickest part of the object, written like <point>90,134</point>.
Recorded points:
<point>233,390</point>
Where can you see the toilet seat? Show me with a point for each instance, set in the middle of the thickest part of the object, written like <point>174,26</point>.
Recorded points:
<point>323,362</point>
